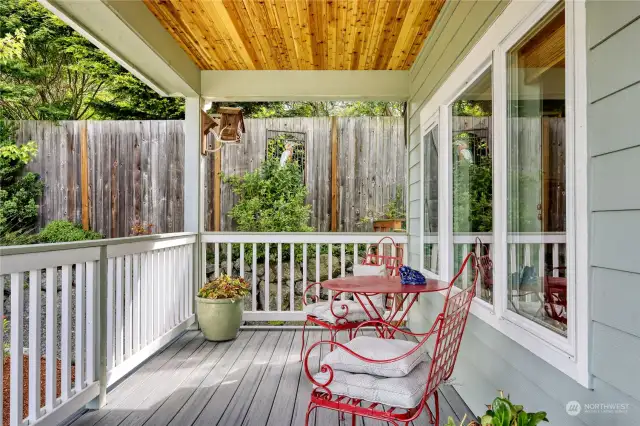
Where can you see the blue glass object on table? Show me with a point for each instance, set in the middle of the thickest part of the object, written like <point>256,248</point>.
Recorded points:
<point>409,276</point>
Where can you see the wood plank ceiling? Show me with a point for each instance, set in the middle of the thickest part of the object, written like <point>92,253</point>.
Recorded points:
<point>299,34</point>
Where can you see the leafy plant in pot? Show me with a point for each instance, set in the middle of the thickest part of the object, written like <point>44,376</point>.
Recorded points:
<point>502,412</point>
<point>219,307</point>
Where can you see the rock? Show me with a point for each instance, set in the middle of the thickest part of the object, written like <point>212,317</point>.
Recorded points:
<point>236,266</point>
<point>324,267</point>
<point>210,268</point>
<point>286,275</point>
<point>223,267</point>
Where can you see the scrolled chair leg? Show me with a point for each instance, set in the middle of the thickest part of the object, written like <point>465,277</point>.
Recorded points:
<point>310,408</point>
<point>304,327</point>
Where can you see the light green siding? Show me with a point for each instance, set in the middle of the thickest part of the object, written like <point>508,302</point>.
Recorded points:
<point>488,359</point>
<point>459,25</point>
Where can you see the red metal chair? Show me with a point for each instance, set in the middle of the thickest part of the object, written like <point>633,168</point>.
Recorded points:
<point>485,265</point>
<point>340,319</point>
<point>555,295</point>
<point>448,327</point>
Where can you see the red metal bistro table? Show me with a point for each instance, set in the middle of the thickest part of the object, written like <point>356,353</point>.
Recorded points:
<point>363,287</point>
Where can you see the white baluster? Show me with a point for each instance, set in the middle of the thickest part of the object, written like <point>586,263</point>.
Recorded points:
<point>80,303</point>
<point>292,278</point>
<point>136,304</point>
<point>254,279</point>
<point>109,313</point>
<point>556,259</point>
<point>304,267</point>
<point>267,286</point>
<point>279,278</point>
<point>229,259</point>
<point>343,266</point>
<point>17,306</point>
<point>119,313</point>
<point>51,339</point>
<point>65,333</point>
<point>92,319</point>
<point>34,344</point>
<point>128,314</point>
<point>216,260</point>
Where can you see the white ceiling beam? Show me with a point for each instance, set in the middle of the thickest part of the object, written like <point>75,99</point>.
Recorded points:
<point>304,85</point>
<point>129,33</point>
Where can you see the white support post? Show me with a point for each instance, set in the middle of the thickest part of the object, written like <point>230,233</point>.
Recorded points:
<point>194,164</point>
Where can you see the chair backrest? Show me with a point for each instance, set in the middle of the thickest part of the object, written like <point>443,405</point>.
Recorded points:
<point>453,320</point>
<point>392,261</point>
<point>485,264</point>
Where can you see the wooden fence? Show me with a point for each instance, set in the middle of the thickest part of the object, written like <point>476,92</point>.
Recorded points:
<point>113,173</point>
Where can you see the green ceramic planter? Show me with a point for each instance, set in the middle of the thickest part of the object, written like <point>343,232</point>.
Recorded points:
<point>219,319</point>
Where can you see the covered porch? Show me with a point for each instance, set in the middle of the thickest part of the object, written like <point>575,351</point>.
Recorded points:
<point>129,351</point>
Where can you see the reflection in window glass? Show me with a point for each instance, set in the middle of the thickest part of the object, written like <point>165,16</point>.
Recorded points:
<point>471,140</point>
<point>430,141</point>
<point>536,176</point>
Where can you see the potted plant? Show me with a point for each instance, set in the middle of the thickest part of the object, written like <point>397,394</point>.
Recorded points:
<point>219,307</point>
<point>502,412</point>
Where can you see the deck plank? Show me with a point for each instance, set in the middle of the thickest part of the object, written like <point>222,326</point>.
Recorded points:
<point>263,400</point>
<point>122,390</point>
<point>217,405</point>
<point>303,392</point>
<point>118,413</point>
<point>284,402</point>
<point>201,396</point>
<point>255,380</point>
<point>167,387</point>
<point>244,395</point>
<point>323,416</point>
<point>179,397</point>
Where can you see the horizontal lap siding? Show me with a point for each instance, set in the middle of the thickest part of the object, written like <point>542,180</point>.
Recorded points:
<point>614,89</point>
<point>459,25</point>
<point>489,360</point>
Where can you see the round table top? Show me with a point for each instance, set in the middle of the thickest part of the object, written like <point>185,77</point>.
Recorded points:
<point>373,284</point>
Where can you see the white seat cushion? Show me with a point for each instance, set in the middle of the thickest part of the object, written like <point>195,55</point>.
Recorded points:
<point>401,392</point>
<point>378,349</point>
<point>322,310</point>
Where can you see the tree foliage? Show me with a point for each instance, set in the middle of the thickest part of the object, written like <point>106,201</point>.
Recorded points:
<point>19,192</point>
<point>271,199</point>
<point>316,108</point>
<point>50,72</point>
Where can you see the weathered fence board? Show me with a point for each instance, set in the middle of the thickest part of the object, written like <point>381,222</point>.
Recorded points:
<point>135,169</point>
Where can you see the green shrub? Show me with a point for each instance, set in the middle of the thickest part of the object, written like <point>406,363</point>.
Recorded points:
<point>19,191</point>
<point>60,231</point>
<point>502,412</point>
<point>271,199</point>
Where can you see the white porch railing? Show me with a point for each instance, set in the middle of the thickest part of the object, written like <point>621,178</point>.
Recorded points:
<point>279,266</point>
<point>523,249</point>
<point>131,296</point>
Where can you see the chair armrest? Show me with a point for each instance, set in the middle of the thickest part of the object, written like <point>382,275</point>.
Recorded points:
<point>314,298</point>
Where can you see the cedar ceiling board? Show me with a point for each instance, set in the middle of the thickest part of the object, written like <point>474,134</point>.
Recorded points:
<point>299,34</point>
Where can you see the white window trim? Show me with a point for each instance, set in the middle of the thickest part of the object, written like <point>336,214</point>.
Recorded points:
<point>425,128</point>
<point>569,355</point>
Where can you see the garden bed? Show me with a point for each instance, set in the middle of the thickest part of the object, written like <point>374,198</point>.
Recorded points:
<point>6,390</point>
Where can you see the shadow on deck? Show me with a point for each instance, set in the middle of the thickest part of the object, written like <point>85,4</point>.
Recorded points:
<point>255,380</point>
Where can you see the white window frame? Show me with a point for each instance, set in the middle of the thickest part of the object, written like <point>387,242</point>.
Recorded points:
<point>568,354</point>
<point>425,128</point>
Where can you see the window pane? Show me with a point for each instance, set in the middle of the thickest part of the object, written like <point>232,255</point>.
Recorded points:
<point>536,180</point>
<point>430,141</point>
<point>471,139</point>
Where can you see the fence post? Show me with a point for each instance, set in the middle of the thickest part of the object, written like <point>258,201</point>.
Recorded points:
<point>100,329</point>
<point>334,174</point>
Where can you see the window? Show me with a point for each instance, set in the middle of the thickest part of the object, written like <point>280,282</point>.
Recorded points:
<point>530,214</point>
<point>536,176</point>
<point>472,177</point>
<point>430,197</point>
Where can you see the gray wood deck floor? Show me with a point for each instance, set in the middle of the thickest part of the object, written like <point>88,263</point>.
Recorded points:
<point>254,380</point>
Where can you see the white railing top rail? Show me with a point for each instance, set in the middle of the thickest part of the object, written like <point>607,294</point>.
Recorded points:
<point>512,238</point>
<point>40,248</point>
<point>302,237</point>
